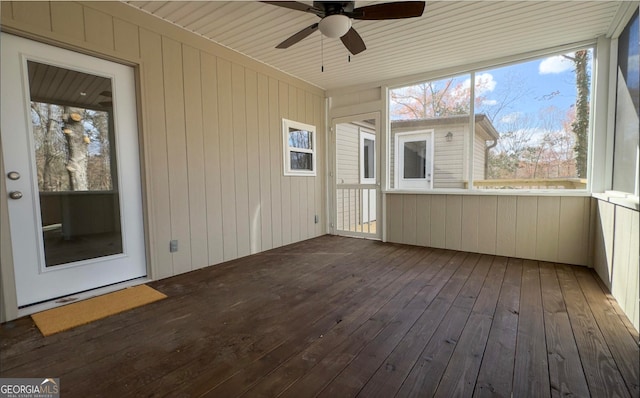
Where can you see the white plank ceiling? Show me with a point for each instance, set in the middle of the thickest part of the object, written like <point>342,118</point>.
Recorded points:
<point>449,34</point>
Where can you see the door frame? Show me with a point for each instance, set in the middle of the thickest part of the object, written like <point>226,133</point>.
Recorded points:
<point>9,303</point>
<point>333,167</point>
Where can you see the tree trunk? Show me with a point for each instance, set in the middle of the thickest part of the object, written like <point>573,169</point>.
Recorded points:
<point>581,124</point>
<point>77,160</point>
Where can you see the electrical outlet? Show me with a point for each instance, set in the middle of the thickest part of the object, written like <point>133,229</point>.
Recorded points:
<point>173,246</point>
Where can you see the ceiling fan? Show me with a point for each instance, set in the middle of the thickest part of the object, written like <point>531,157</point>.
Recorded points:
<point>337,15</point>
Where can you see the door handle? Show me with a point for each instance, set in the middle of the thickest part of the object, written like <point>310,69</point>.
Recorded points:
<point>15,195</point>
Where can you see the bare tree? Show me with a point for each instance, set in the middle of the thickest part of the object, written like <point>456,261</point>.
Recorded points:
<point>77,145</point>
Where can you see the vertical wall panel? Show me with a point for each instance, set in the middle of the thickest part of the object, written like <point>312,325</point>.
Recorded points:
<point>126,38</point>
<point>572,248</point>
<point>156,153</point>
<point>547,228</point>
<point>266,240</point>
<point>253,161</point>
<point>603,240</point>
<point>294,182</point>
<point>6,9</point>
<point>470,214</point>
<point>67,18</point>
<point>506,226</point>
<point>195,158</point>
<point>34,13</point>
<point>240,156</point>
<point>394,218</point>
<point>285,182</point>
<point>310,193</point>
<point>624,283</point>
<point>227,169</point>
<point>487,224</point>
<point>98,28</point>
<point>453,230</point>
<point>211,142</point>
<point>275,143</point>
<point>176,153</point>
<point>320,186</point>
<point>423,220</point>
<point>438,221</point>
<point>409,219</point>
<point>526,226</point>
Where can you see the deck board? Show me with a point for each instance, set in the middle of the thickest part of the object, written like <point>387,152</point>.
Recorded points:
<point>347,317</point>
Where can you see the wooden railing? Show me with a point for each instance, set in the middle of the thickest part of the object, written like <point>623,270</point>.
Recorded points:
<point>535,183</point>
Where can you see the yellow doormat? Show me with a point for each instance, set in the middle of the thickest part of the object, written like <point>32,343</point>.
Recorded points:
<point>69,316</point>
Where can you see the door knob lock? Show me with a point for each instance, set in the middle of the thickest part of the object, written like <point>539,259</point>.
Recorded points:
<point>13,175</point>
<point>15,195</point>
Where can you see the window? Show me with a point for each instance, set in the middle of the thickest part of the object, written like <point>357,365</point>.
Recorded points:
<point>299,148</point>
<point>626,150</point>
<point>414,167</point>
<point>529,128</point>
<point>367,157</point>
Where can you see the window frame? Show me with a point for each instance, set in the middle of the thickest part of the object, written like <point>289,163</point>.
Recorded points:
<point>287,149</point>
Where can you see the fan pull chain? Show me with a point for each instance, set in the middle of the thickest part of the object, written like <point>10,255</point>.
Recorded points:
<point>322,53</point>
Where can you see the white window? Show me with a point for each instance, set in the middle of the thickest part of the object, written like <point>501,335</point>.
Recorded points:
<point>414,166</point>
<point>367,157</point>
<point>299,148</point>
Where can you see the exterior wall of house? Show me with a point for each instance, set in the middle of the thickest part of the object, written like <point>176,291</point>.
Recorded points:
<point>546,228</point>
<point>615,254</point>
<point>211,136</point>
<point>479,156</point>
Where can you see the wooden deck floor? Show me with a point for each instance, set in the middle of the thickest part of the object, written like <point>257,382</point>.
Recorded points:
<point>340,317</point>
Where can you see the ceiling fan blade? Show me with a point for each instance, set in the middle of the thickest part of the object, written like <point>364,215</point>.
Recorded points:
<point>293,5</point>
<point>298,36</point>
<point>353,42</point>
<point>396,10</point>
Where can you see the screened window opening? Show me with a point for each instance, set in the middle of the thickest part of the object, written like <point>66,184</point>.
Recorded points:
<point>529,128</point>
<point>626,158</point>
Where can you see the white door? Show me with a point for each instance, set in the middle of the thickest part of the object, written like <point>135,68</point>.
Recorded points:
<point>414,166</point>
<point>70,151</point>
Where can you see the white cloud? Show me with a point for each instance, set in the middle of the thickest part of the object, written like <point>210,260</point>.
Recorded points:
<point>489,102</point>
<point>555,64</point>
<point>510,118</point>
<point>484,84</point>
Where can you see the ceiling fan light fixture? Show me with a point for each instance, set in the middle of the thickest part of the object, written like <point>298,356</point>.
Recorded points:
<point>335,26</point>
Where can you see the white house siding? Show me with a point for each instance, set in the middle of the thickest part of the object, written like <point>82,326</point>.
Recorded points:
<point>616,239</point>
<point>479,155</point>
<point>211,136</point>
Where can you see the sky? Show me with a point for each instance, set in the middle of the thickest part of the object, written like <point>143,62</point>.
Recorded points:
<point>547,82</point>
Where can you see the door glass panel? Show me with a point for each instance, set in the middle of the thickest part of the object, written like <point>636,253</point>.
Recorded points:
<point>415,153</point>
<point>368,155</point>
<point>72,117</point>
